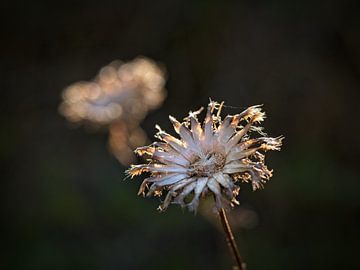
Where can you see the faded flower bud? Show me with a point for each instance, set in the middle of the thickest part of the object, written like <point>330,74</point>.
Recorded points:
<point>207,159</point>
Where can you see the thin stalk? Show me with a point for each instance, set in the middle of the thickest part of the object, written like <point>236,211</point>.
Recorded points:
<point>231,240</point>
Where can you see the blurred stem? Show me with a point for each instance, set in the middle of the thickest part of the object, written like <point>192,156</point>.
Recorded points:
<point>231,240</point>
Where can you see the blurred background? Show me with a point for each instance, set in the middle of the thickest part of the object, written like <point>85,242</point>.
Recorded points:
<point>65,203</point>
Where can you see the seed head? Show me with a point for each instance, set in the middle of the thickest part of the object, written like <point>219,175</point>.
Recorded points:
<point>121,91</point>
<point>206,159</point>
<point>118,98</point>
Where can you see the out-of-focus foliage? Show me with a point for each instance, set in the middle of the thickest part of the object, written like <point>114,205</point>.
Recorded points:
<point>66,205</point>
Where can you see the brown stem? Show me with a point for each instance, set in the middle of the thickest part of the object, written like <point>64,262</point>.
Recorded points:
<point>231,240</point>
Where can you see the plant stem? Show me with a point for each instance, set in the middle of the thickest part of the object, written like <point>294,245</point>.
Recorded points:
<point>231,240</point>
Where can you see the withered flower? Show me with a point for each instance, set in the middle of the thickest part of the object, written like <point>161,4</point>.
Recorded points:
<point>118,98</point>
<point>125,91</point>
<point>207,159</point>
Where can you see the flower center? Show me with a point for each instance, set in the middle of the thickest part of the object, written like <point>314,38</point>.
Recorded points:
<point>208,165</point>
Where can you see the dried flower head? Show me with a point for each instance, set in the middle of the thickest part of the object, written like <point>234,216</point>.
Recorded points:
<point>125,91</point>
<point>119,98</point>
<point>207,159</point>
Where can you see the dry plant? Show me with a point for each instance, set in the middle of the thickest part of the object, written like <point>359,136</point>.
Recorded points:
<point>118,98</point>
<point>208,159</point>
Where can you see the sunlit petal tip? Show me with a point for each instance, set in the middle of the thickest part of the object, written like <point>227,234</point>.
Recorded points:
<point>175,123</point>
<point>135,170</point>
<point>145,150</point>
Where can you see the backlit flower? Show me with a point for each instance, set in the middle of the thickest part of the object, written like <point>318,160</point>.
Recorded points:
<point>207,159</point>
<point>118,98</point>
<point>125,91</point>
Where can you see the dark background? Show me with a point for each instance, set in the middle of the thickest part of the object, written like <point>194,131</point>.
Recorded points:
<point>65,203</point>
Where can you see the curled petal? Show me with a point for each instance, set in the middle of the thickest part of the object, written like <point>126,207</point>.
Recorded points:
<point>179,185</point>
<point>159,182</point>
<point>227,128</point>
<point>185,192</point>
<point>196,129</point>
<point>185,134</point>
<point>272,143</point>
<point>236,138</point>
<point>167,179</point>
<point>236,155</point>
<point>143,187</point>
<point>200,185</point>
<point>161,168</point>
<point>167,138</point>
<point>137,170</point>
<point>167,158</point>
<point>256,181</point>
<point>174,143</point>
<point>145,150</point>
<point>175,123</point>
<point>214,186</point>
<point>208,127</point>
<point>253,112</point>
<point>166,202</point>
<point>236,167</point>
<point>225,181</point>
